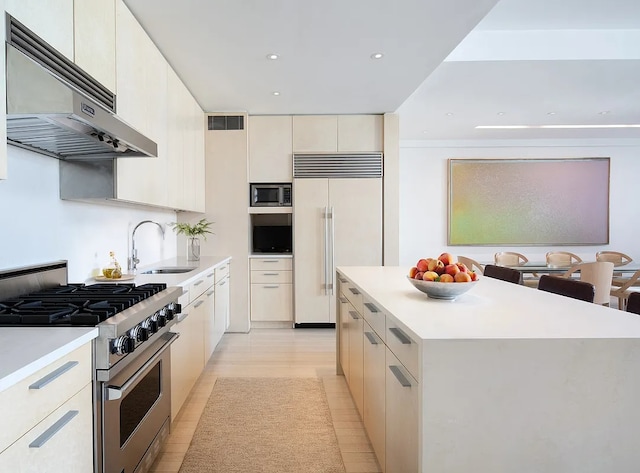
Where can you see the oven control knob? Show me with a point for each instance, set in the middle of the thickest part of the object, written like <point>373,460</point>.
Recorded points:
<point>168,312</point>
<point>123,345</point>
<point>150,325</point>
<point>159,318</point>
<point>174,309</point>
<point>139,333</point>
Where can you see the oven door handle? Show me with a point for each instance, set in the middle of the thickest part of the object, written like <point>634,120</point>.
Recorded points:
<point>116,392</point>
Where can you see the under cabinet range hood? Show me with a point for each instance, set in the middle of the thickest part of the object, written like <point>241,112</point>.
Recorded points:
<point>57,109</point>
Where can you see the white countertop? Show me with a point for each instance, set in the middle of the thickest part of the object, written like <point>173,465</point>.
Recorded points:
<point>25,350</point>
<point>492,309</point>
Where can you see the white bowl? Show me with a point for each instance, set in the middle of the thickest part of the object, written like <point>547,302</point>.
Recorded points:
<point>442,290</point>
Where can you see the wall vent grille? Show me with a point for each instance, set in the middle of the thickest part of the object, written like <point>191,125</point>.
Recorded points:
<point>360,165</point>
<point>226,122</point>
<point>61,67</point>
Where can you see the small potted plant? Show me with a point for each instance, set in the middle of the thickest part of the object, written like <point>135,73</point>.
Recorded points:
<point>193,232</point>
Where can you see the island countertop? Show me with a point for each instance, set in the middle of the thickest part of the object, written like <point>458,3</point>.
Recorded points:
<point>492,309</point>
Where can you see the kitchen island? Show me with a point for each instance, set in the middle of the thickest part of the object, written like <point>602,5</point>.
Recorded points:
<point>505,378</point>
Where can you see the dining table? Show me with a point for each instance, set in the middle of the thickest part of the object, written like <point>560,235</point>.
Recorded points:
<point>542,267</point>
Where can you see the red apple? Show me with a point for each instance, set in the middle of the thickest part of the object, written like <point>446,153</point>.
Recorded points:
<point>446,278</point>
<point>436,265</point>
<point>447,258</point>
<point>412,272</point>
<point>451,269</point>
<point>418,275</point>
<point>430,276</point>
<point>474,276</point>
<point>462,277</point>
<point>462,267</point>
<point>422,265</point>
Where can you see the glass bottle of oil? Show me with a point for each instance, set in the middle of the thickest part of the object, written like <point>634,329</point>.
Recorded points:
<point>112,270</point>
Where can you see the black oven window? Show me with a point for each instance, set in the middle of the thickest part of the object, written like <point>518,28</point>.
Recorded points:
<point>266,194</point>
<point>138,402</point>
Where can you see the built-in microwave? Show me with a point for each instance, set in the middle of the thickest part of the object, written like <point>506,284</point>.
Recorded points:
<point>270,195</point>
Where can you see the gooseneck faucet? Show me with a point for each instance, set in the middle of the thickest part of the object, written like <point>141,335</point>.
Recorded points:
<point>133,259</point>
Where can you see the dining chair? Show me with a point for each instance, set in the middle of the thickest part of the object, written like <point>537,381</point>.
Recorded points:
<point>511,258</point>
<point>574,288</point>
<point>471,264</point>
<point>624,291</point>
<point>599,274</point>
<point>633,303</point>
<point>562,258</point>
<point>618,259</point>
<point>502,272</point>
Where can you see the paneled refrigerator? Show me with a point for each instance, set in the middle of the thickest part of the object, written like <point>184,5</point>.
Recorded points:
<point>337,220</point>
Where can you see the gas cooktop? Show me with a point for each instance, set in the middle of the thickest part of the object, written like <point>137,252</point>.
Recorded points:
<point>74,304</point>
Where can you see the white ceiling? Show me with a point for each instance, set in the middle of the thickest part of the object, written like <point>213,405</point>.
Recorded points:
<point>447,67</point>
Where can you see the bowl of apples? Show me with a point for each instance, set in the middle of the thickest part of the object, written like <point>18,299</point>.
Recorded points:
<point>442,277</point>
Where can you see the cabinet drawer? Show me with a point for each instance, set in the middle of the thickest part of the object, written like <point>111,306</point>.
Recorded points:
<point>271,302</point>
<point>34,398</point>
<point>221,271</point>
<point>267,276</point>
<point>353,294</point>
<point>271,263</point>
<point>374,317</point>
<point>63,441</point>
<point>201,284</point>
<point>403,346</point>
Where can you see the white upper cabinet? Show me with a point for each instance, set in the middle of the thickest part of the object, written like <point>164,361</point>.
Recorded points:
<point>52,20</point>
<point>270,149</point>
<point>315,134</point>
<point>3,108</point>
<point>337,133</point>
<point>95,39</point>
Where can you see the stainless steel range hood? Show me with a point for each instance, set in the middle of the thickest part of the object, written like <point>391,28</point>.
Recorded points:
<point>57,109</point>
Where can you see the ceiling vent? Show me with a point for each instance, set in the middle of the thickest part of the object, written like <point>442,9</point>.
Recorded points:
<point>341,165</point>
<point>226,122</point>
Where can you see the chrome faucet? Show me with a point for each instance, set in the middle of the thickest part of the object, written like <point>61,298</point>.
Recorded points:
<point>133,259</point>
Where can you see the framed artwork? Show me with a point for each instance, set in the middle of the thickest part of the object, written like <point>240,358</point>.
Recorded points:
<point>528,202</point>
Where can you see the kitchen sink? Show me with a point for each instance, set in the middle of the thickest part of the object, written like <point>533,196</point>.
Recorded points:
<point>169,270</point>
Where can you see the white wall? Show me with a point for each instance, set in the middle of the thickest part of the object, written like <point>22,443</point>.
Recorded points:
<point>423,196</point>
<point>38,227</point>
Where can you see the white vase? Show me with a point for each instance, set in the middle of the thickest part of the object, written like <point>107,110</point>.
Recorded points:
<point>193,249</point>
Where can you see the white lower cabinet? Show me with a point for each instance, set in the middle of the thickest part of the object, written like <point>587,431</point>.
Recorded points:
<point>374,372</point>
<point>356,380</point>
<point>401,418</point>
<point>210,329</point>
<point>221,322</point>
<point>343,332</point>
<point>271,290</point>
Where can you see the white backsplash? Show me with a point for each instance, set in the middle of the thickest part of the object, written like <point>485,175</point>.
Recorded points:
<point>38,227</point>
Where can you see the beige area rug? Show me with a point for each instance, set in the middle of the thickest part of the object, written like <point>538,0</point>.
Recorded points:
<point>268,425</point>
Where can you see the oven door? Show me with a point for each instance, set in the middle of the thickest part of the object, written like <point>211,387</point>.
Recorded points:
<point>136,410</point>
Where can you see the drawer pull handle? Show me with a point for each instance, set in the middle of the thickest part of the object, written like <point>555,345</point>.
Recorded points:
<point>269,274</point>
<point>210,293</point>
<point>342,280</point>
<point>271,287</point>
<point>198,283</point>
<point>210,275</point>
<point>182,316</point>
<point>371,337</point>
<point>223,283</point>
<point>402,379</point>
<point>271,261</point>
<point>51,431</point>
<point>185,291</point>
<point>354,315</point>
<point>371,307</point>
<point>354,291</point>
<point>400,335</point>
<point>198,304</point>
<point>42,382</point>
<point>343,300</point>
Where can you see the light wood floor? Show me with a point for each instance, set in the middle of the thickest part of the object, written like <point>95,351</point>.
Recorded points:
<point>275,353</point>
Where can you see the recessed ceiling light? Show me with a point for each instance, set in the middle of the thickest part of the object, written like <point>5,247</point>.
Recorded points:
<point>449,114</point>
<point>551,113</point>
<point>510,127</point>
<point>377,56</point>
<point>425,131</point>
<point>500,113</point>
<point>276,93</point>
<point>604,112</point>
<point>273,57</point>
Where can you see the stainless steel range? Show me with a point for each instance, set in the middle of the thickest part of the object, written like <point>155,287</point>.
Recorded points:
<point>132,360</point>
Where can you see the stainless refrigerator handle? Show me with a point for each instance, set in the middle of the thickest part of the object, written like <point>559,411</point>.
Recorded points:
<point>333,252</point>
<point>326,250</point>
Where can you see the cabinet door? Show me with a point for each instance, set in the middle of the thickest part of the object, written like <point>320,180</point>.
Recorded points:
<point>315,133</point>
<point>271,302</point>
<point>270,149</point>
<point>52,20</point>
<point>222,308</point>
<point>357,214</point>
<point>356,380</point>
<point>210,329</point>
<point>95,39</point>
<point>374,367</point>
<point>3,108</point>
<point>343,327</point>
<point>48,449</point>
<point>401,420</point>
<point>360,133</point>
<point>312,272</point>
